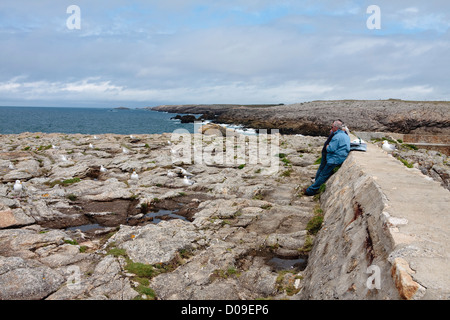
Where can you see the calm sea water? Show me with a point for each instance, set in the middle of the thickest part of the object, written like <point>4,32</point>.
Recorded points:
<point>87,121</point>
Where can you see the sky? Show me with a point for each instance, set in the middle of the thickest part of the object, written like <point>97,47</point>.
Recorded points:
<point>148,53</point>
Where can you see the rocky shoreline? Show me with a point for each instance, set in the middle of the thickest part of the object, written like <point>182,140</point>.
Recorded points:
<point>314,118</point>
<point>82,228</point>
<point>75,231</point>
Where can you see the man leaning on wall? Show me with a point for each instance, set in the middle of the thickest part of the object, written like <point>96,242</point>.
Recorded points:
<point>336,152</point>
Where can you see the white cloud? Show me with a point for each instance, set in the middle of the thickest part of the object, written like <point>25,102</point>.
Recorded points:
<point>257,51</point>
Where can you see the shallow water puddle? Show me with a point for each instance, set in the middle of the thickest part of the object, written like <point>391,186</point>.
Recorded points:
<point>86,227</point>
<point>287,264</point>
<point>164,215</point>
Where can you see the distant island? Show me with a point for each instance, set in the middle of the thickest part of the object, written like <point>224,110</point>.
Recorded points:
<point>122,108</point>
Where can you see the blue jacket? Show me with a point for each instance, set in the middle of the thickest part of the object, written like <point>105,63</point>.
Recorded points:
<point>339,148</point>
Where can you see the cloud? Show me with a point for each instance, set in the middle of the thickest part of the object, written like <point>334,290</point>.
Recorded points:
<point>256,51</point>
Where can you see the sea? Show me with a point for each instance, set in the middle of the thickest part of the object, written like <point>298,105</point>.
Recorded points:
<point>15,120</point>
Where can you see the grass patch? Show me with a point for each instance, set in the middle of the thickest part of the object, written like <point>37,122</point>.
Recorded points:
<point>315,223</point>
<point>72,242</point>
<point>318,161</point>
<point>307,247</point>
<point>63,183</point>
<point>410,146</point>
<point>287,286</point>
<point>286,173</point>
<point>336,169</point>
<point>44,147</point>
<point>72,197</point>
<point>224,274</point>
<point>405,162</point>
<point>322,189</point>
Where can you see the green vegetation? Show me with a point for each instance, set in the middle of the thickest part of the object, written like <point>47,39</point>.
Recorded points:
<point>286,173</point>
<point>405,162</point>
<point>144,272</point>
<point>72,197</point>
<point>318,161</point>
<point>241,166</point>
<point>72,242</point>
<point>64,183</point>
<point>224,274</point>
<point>288,286</point>
<point>44,147</point>
<point>410,146</point>
<point>322,189</point>
<point>315,223</point>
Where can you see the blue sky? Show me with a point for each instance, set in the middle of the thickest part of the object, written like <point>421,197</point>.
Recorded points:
<point>146,53</point>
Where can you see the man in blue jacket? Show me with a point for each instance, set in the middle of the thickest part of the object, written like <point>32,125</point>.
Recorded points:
<point>336,152</point>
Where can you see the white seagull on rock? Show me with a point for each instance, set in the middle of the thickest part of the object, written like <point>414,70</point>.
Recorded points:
<point>184,171</point>
<point>187,182</point>
<point>388,147</point>
<point>125,150</point>
<point>171,174</point>
<point>134,176</point>
<point>18,186</point>
<point>103,169</point>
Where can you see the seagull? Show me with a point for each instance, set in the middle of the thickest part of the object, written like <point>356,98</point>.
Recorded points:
<point>184,172</point>
<point>91,146</point>
<point>63,158</point>
<point>124,150</point>
<point>388,147</point>
<point>95,137</point>
<point>134,176</point>
<point>103,169</point>
<point>131,136</point>
<point>171,174</point>
<point>169,143</point>
<point>18,186</point>
<point>187,182</point>
<point>11,166</point>
<point>54,147</point>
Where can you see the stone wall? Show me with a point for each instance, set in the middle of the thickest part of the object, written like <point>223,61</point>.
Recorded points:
<point>379,225</point>
<point>353,238</point>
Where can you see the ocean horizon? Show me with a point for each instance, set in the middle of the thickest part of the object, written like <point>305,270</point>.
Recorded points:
<point>92,120</point>
<point>88,120</point>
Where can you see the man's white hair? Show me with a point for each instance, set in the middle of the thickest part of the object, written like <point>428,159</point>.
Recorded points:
<point>338,124</point>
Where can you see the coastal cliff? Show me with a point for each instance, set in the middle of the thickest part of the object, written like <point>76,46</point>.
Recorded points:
<point>314,118</point>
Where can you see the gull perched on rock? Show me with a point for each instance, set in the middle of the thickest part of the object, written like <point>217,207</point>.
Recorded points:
<point>103,169</point>
<point>184,172</point>
<point>187,182</point>
<point>134,176</point>
<point>388,147</point>
<point>18,186</point>
<point>124,150</point>
<point>63,158</point>
<point>91,146</point>
<point>171,174</point>
<point>11,166</point>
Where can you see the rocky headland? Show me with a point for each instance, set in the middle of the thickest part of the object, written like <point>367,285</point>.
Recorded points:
<point>314,118</point>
